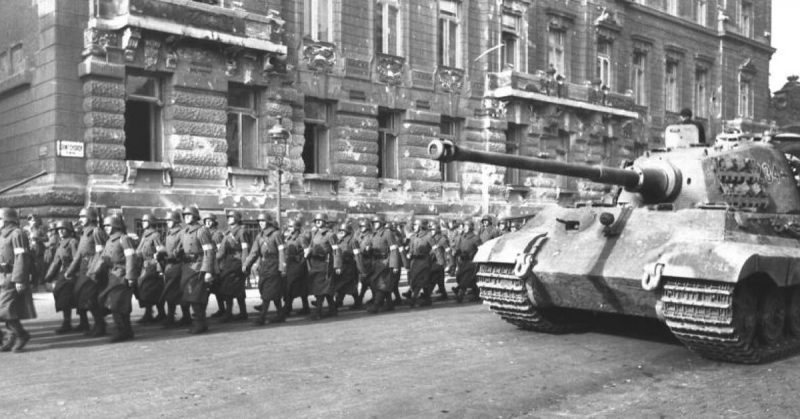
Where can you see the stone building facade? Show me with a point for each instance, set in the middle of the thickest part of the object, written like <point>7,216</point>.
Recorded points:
<point>144,105</point>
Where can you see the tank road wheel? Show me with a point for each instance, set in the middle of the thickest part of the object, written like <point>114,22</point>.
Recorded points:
<point>771,315</point>
<point>793,311</point>
<point>745,313</point>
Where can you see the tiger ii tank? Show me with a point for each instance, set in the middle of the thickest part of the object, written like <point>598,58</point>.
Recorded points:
<point>704,238</point>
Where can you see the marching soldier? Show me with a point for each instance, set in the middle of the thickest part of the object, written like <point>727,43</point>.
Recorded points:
<point>210,223</point>
<point>150,284</point>
<point>398,230</point>
<point>63,289</point>
<point>441,250</point>
<point>91,242</point>
<point>487,231</point>
<point>119,261</point>
<point>52,243</point>
<point>345,279</point>
<point>384,263</point>
<point>296,267</point>
<point>319,256</point>
<point>362,239</point>
<point>231,252</point>
<point>197,270</point>
<point>36,240</point>
<point>16,301</point>
<point>171,266</point>
<point>464,249</point>
<point>420,247</point>
<point>267,248</point>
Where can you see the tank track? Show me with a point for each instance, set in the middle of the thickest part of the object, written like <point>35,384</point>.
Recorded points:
<point>701,316</point>
<point>507,296</point>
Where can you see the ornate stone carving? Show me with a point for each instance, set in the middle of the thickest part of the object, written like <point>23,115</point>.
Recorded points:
<point>390,68</point>
<point>319,56</point>
<point>130,42</point>
<point>494,108</point>
<point>96,42</point>
<point>276,23</point>
<point>450,79</point>
<point>232,60</point>
<point>151,50</point>
<point>171,52</point>
<point>273,63</point>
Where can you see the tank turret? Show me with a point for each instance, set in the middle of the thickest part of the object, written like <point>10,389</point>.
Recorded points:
<point>703,238</point>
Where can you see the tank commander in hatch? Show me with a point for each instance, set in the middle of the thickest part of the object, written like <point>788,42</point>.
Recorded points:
<point>686,119</point>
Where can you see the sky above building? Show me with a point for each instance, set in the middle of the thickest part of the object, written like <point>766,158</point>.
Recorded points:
<point>786,39</point>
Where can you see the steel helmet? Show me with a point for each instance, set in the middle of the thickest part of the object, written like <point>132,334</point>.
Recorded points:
<point>115,222</point>
<point>209,216</point>
<point>9,214</point>
<point>173,216</point>
<point>193,211</point>
<point>88,212</point>
<point>263,216</point>
<point>63,225</point>
<point>149,218</point>
<point>321,217</point>
<point>236,215</point>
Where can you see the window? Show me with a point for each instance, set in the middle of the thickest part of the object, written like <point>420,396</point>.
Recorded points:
<point>388,125</point>
<point>143,118</point>
<point>556,46</point>
<point>700,12</point>
<point>745,97</point>
<point>449,129</point>
<point>671,90</point>
<point>746,19</point>
<point>510,35</point>
<point>514,137</point>
<point>700,104</point>
<point>449,33</point>
<point>17,59</point>
<point>318,20</point>
<point>242,127</point>
<point>317,147</point>
<point>639,77</point>
<point>672,7</point>
<point>388,27</point>
<point>603,64</point>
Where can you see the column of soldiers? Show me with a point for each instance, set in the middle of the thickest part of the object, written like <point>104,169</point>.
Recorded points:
<point>98,269</point>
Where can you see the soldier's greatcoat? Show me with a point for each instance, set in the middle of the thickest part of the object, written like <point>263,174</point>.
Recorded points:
<point>320,262</point>
<point>344,259</point>
<point>119,258</point>
<point>63,289</point>
<point>172,266</point>
<point>150,284</point>
<point>296,268</point>
<point>464,249</point>
<point>420,246</point>
<point>15,269</point>
<point>91,243</point>
<point>199,257</point>
<point>231,252</point>
<point>381,255</point>
<point>265,249</point>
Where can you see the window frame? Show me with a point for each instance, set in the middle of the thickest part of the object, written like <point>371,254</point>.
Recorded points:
<point>515,138</point>
<point>320,132</point>
<point>671,7</point>
<point>385,46</point>
<point>639,78</point>
<point>701,12</point>
<point>240,112</point>
<point>156,111</point>
<point>557,51</point>
<point>389,123</point>
<point>672,86</point>
<point>700,104</point>
<point>744,102</point>
<point>449,172</point>
<point>454,23</point>
<point>603,63</point>
<point>511,52</point>
<point>746,17</point>
<point>311,20</point>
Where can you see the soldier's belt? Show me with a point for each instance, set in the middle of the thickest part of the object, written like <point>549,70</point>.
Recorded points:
<point>379,255</point>
<point>191,258</point>
<point>317,257</point>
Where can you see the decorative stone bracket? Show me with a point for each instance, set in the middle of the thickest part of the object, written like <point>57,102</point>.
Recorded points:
<point>450,79</point>
<point>259,179</point>
<point>130,42</point>
<point>319,56</point>
<point>317,184</point>
<point>133,167</point>
<point>390,68</point>
<point>494,108</point>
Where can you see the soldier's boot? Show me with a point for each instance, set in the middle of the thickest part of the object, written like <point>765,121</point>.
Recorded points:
<point>240,300</point>
<point>99,328</point>
<point>199,324</point>
<point>413,298</point>
<point>66,323</point>
<point>186,315</point>
<point>357,302</point>
<point>425,300</point>
<point>339,299</point>
<point>398,299</point>
<point>20,335</point>
<point>161,313</point>
<point>442,290</point>
<point>317,314</point>
<point>83,325</point>
<point>228,315</point>
<point>280,313</point>
<point>333,306</point>
<point>306,309</point>
<point>389,303</point>
<point>169,318</point>
<point>120,330</point>
<point>407,294</point>
<point>9,343</point>
<point>361,295</point>
<point>147,318</point>
<point>460,295</point>
<point>259,307</point>
<point>221,310</point>
<point>376,303</point>
<point>262,315</point>
<point>126,318</point>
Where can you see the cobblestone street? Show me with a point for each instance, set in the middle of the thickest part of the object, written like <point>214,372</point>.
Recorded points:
<point>447,361</point>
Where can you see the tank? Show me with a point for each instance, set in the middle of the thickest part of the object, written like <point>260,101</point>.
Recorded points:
<point>704,238</point>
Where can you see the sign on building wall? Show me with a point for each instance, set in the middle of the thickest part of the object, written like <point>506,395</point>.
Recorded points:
<point>69,149</point>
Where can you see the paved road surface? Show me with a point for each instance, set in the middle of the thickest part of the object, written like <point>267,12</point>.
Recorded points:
<point>449,361</point>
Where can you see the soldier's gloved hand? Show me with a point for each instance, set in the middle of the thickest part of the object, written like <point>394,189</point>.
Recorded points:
<point>208,278</point>
<point>19,287</point>
<point>338,271</point>
<point>395,270</point>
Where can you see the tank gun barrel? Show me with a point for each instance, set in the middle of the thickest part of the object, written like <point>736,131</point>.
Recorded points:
<point>656,183</point>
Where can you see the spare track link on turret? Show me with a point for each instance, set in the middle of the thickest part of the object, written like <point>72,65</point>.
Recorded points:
<point>701,316</point>
<point>507,295</point>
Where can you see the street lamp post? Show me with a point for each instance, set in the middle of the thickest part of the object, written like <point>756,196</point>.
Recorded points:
<point>279,135</point>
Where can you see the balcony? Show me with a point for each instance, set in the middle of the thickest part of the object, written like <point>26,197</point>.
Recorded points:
<point>192,19</point>
<point>543,88</point>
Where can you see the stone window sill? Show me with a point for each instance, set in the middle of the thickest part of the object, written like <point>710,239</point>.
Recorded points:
<point>133,167</point>
<point>238,176</point>
<point>317,183</point>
